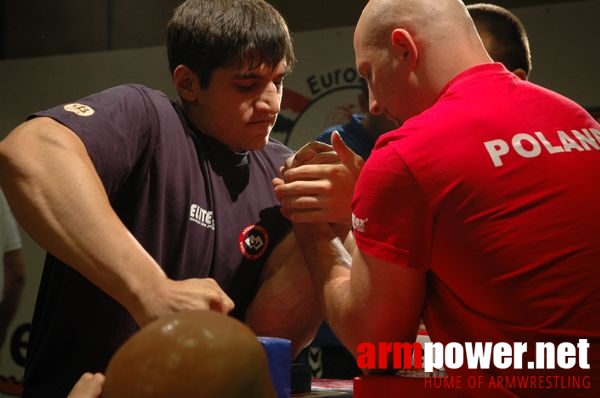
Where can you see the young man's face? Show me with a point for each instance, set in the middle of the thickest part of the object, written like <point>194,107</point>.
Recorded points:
<point>240,106</point>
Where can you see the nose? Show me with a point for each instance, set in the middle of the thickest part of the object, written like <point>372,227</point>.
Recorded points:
<point>270,99</point>
<point>374,106</point>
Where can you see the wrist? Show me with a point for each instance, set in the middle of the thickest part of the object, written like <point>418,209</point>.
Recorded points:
<point>144,294</point>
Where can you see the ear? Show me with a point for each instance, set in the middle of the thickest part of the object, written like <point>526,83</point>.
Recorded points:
<point>186,83</point>
<point>403,43</point>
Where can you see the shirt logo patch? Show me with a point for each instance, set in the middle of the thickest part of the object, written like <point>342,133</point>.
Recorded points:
<point>202,216</point>
<point>253,241</point>
<point>79,109</point>
<point>359,224</point>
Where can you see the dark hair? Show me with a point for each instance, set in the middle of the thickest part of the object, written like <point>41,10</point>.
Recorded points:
<point>209,34</point>
<point>510,44</point>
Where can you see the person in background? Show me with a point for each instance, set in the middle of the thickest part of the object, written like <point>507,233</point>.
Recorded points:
<point>148,206</point>
<point>89,385</point>
<point>12,268</point>
<point>475,214</point>
<point>506,41</point>
<point>200,354</point>
<point>504,37</point>
<point>363,129</point>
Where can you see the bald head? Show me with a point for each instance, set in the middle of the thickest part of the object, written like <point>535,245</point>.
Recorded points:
<point>424,19</point>
<point>414,47</point>
<point>190,354</point>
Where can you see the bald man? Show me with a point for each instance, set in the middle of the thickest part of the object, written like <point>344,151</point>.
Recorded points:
<point>480,202</point>
<point>191,354</point>
<point>506,41</point>
<point>325,191</point>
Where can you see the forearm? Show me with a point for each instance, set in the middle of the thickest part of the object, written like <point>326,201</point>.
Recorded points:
<point>344,232</point>
<point>365,299</point>
<point>329,264</point>
<point>58,198</point>
<point>286,305</point>
<point>283,311</point>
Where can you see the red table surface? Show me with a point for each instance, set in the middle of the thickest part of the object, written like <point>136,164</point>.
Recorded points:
<point>406,384</point>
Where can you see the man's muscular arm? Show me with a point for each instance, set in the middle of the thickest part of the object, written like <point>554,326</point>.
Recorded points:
<point>58,198</point>
<point>286,305</point>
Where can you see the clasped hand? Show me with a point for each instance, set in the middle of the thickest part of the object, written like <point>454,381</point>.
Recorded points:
<point>317,183</point>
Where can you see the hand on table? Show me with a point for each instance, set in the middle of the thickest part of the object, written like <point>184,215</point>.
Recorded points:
<point>191,294</point>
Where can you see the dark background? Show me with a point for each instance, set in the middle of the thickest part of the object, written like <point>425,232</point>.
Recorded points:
<point>32,28</point>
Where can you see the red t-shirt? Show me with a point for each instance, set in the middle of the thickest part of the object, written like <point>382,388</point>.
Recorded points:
<point>495,191</point>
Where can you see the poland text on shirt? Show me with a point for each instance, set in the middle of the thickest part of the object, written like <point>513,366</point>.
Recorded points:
<point>532,145</point>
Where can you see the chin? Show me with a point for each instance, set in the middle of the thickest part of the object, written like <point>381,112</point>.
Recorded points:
<point>251,144</point>
<point>259,144</point>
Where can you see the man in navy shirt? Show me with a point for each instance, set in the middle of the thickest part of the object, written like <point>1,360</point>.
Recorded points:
<point>149,206</point>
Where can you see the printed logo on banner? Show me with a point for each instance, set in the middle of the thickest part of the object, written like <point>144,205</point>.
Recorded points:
<point>304,118</point>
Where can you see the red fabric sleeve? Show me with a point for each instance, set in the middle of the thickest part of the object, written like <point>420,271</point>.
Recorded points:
<point>391,217</point>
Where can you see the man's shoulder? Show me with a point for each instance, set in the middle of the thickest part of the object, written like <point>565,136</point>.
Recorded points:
<point>135,89</point>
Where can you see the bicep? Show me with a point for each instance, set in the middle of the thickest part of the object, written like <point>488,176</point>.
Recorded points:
<point>118,135</point>
<point>285,305</point>
<point>41,157</point>
<point>39,141</point>
<point>285,280</point>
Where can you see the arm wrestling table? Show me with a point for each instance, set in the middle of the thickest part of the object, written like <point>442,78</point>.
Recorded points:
<point>402,384</point>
